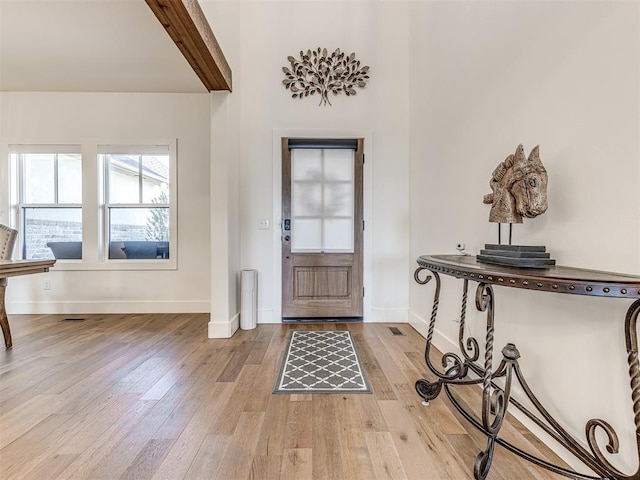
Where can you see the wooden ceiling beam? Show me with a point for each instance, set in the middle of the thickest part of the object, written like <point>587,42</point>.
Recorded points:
<point>187,26</point>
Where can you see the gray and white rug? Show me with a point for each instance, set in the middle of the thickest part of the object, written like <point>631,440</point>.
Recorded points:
<point>321,362</point>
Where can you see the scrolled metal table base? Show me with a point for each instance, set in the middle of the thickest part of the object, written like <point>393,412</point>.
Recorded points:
<point>464,369</point>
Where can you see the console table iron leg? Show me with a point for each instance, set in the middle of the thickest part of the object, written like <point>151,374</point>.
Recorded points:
<point>631,337</point>
<point>484,302</point>
<point>426,389</point>
<point>494,400</point>
<point>456,366</point>
<point>469,349</point>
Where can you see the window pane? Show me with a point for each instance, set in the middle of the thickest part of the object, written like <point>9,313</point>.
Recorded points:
<point>155,178</point>
<point>123,171</point>
<point>139,233</point>
<point>49,231</point>
<point>38,178</point>
<point>69,178</point>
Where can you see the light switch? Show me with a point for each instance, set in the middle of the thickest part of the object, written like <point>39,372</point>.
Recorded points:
<point>263,223</point>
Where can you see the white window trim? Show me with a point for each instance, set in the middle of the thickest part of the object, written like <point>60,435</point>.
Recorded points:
<point>18,183</point>
<point>94,248</point>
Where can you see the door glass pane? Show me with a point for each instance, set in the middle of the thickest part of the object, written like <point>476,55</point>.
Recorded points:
<point>338,234</point>
<point>306,235</point>
<point>52,233</point>
<point>124,185</point>
<point>307,164</point>
<point>39,183</point>
<point>338,164</point>
<point>306,199</point>
<point>322,200</point>
<point>338,199</point>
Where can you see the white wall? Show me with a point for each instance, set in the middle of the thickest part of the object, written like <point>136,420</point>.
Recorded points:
<point>487,76</point>
<point>225,215</point>
<point>225,182</point>
<point>257,46</point>
<point>75,117</point>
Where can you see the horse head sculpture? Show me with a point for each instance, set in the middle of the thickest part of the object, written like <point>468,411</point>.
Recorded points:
<point>519,186</point>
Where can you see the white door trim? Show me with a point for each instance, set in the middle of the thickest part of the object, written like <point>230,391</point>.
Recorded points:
<point>367,203</point>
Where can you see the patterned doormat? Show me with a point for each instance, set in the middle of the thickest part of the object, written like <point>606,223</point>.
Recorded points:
<point>321,362</point>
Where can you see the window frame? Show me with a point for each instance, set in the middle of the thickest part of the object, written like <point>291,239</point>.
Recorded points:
<point>107,206</point>
<point>19,179</point>
<point>94,242</point>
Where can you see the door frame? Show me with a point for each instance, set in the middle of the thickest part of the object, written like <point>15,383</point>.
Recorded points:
<point>367,260</point>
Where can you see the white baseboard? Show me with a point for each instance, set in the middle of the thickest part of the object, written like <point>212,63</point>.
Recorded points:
<point>418,323</point>
<point>439,341</point>
<point>222,328</point>
<point>387,315</point>
<point>65,307</point>
<point>266,315</point>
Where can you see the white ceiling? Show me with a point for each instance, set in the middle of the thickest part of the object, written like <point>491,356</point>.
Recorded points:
<point>89,46</point>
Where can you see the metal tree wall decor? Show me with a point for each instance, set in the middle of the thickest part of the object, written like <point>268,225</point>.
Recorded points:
<point>319,72</point>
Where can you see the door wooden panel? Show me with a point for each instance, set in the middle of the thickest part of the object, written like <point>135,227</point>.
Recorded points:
<point>321,284</point>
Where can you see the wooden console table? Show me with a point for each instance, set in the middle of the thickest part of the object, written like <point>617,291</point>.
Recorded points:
<point>463,368</point>
<point>12,268</point>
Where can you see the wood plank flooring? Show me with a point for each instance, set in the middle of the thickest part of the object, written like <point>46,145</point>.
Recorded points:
<point>151,397</point>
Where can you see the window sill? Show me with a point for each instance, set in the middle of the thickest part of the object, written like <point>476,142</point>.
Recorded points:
<point>114,265</point>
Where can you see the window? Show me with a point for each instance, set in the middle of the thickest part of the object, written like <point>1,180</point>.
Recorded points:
<point>96,205</point>
<point>137,197</point>
<point>50,200</point>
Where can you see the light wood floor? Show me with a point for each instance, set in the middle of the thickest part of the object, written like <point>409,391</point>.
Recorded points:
<point>149,396</point>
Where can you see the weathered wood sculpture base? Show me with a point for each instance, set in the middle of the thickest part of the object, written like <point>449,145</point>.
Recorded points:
<point>526,256</point>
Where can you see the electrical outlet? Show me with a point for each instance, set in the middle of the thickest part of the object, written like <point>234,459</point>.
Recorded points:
<point>263,223</point>
<point>46,285</point>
